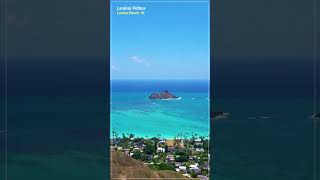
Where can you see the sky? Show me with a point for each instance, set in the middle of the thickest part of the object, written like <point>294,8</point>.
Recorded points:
<point>171,41</point>
<point>270,40</point>
<point>246,28</point>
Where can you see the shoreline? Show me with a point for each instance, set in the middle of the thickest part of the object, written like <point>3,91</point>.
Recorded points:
<point>168,137</point>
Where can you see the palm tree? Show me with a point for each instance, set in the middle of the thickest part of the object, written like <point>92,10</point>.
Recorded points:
<point>114,137</point>
<point>131,135</point>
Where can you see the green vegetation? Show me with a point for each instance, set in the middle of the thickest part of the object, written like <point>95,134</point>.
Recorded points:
<point>181,157</point>
<point>193,175</point>
<point>137,155</point>
<point>186,156</point>
<point>149,148</point>
<point>164,166</point>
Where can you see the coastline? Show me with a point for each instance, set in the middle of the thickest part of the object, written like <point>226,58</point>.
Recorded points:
<point>167,137</point>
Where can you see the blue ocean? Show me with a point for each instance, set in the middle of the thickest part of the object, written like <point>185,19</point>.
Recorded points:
<point>133,112</point>
<point>263,138</point>
<point>59,129</point>
<point>269,134</point>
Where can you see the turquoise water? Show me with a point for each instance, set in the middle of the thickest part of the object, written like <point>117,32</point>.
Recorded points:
<point>132,112</point>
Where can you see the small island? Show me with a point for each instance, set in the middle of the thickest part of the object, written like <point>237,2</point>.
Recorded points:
<point>218,115</point>
<point>163,95</point>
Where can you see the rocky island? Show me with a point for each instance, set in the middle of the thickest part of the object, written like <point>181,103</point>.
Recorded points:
<point>218,115</point>
<point>163,95</point>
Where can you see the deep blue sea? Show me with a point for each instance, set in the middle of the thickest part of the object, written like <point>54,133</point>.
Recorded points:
<point>265,139</point>
<point>133,112</point>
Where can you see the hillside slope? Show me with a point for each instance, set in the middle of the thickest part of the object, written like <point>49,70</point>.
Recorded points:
<point>124,167</point>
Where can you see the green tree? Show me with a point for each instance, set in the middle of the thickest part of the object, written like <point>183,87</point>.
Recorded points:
<point>204,172</point>
<point>131,135</point>
<point>193,175</point>
<point>166,148</point>
<point>114,137</point>
<point>182,158</point>
<point>149,148</point>
<point>137,155</point>
<point>124,136</point>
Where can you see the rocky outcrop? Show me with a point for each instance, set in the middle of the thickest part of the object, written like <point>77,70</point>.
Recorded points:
<point>218,115</point>
<point>163,95</point>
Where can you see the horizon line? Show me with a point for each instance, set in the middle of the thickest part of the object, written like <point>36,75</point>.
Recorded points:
<point>161,79</point>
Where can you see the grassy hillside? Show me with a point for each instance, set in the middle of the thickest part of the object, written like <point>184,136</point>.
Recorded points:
<point>123,167</point>
<point>168,174</point>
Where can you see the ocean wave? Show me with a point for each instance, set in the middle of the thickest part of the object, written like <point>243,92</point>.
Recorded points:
<point>265,117</point>
<point>170,99</point>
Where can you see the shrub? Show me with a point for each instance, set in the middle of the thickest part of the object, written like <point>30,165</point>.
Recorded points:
<point>193,175</point>
<point>164,166</point>
<point>182,158</point>
<point>137,155</point>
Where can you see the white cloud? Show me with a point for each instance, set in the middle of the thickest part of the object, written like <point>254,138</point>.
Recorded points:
<point>114,68</point>
<point>139,60</point>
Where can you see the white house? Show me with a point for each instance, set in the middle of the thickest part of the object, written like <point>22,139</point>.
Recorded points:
<point>183,169</point>
<point>177,164</point>
<point>199,150</point>
<point>126,152</point>
<point>170,157</point>
<point>194,165</point>
<point>161,149</point>
<point>195,170</point>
